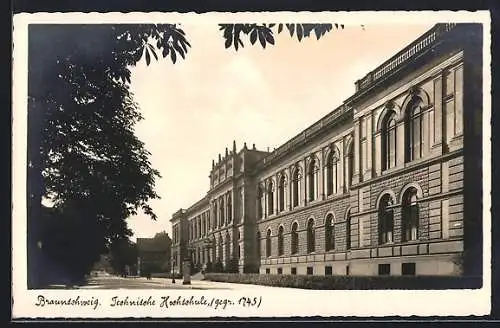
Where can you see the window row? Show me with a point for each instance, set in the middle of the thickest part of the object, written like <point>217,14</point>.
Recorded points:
<point>409,228</point>
<point>199,226</point>
<point>290,192</point>
<point>222,211</point>
<point>329,238</point>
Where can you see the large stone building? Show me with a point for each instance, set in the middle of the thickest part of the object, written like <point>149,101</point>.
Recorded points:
<point>374,187</point>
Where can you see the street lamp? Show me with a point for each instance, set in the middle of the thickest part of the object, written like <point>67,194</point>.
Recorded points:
<point>173,273</point>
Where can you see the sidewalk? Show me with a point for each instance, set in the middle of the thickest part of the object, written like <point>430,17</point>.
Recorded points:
<point>205,284</point>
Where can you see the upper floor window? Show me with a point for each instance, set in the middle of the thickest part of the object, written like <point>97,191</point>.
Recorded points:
<point>270,198</point>
<point>280,240</point>
<point>260,202</point>
<point>221,212</point>
<point>410,215</point>
<point>229,208</point>
<point>311,238</point>
<point>414,130</point>
<point>295,238</point>
<point>281,192</point>
<point>296,177</point>
<point>268,243</point>
<point>329,233</point>
<point>257,237</point>
<point>386,219</point>
<point>350,164</point>
<point>389,142</point>
<point>331,173</point>
<point>312,179</point>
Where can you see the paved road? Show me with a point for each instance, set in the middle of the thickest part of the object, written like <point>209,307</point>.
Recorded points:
<point>116,282</point>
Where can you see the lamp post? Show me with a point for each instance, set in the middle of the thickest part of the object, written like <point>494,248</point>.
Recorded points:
<point>173,273</point>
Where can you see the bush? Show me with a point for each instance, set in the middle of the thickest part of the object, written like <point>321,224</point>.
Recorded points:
<point>166,275</point>
<point>349,282</point>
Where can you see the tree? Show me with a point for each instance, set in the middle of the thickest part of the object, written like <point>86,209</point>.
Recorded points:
<point>83,154</point>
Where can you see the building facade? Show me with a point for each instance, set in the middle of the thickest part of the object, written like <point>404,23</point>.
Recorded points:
<point>153,254</point>
<point>374,187</point>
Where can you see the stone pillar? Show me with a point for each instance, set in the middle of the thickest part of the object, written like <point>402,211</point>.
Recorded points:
<point>290,189</point>
<point>438,114</point>
<point>377,151</point>
<point>357,152</point>
<point>341,167</point>
<point>304,181</point>
<point>320,180</point>
<point>369,148</point>
<point>400,144</point>
<point>425,132</point>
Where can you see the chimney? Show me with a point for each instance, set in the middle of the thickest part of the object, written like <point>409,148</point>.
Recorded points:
<point>226,152</point>
<point>219,157</point>
<point>234,146</point>
<point>244,145</point>
<point>213,163</point>
<point>253,147</point>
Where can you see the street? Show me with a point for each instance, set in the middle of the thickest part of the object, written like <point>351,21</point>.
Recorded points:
<point>117,282</point>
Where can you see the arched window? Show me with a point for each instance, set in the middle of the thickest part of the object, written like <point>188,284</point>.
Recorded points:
<point>331,173</point>
<point>260,202</point>
<point>229,209</point>
<point>329,233</point>
<point>215,212</point>
<point>410,215</point>
<point>414,133</point>
<point>296,186</point>
<point>270,198</point>
<point>350,164</point>
<point>268,243</point>
<point>386,219</point>
<point>221,212</point>
<point>310,236</point>
<point>312,179</point>
<point>348,229</point>
<point>280,240</point>
<point>281,192</point>
<point>295,238</point>
<point>389,142</point>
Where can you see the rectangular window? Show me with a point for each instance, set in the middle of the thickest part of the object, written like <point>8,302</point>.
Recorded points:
<point>280,270</point>
<point>309,270</point>
<point>328,271</point>
<point>384,269</point>
<point>408,269</point>
<point>347,270</point>
<point>268,271</point>
<point>294,271</point>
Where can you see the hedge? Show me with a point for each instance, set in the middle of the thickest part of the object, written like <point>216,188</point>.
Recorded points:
<point>349,282</point>
<point>166,275</point>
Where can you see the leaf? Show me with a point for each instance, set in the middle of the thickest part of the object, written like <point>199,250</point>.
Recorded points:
<point>269,37</point>
<point>262,39</point>
<point>173,56</point>
<point>291,28</point>
<point>299,32</point>
<point>280,28</point>
<point>253,36</point>
<point>228,42</point>
<point>148,58</point>
<point>153,51</point>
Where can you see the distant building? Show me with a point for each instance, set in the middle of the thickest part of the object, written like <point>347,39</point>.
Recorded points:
<point>154,254</point>
<point>387,183</point>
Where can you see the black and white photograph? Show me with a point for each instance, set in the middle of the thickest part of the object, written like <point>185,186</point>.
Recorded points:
<point>278,164</point>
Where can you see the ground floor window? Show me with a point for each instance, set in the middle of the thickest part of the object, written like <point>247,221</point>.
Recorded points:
<point>328,271</point>
<point>309,270</point>
<point>280,270</point>
<point>408,269</point>
<point>294,271</point>
<point>347,270</point>
<point>384,269</point>
<point>268,271</point>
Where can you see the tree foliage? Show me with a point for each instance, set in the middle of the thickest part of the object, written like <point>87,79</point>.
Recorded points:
<point>265,33</point>
<point>83,153</point>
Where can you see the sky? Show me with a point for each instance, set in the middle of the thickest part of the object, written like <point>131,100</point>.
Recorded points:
<point>195,108</point>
